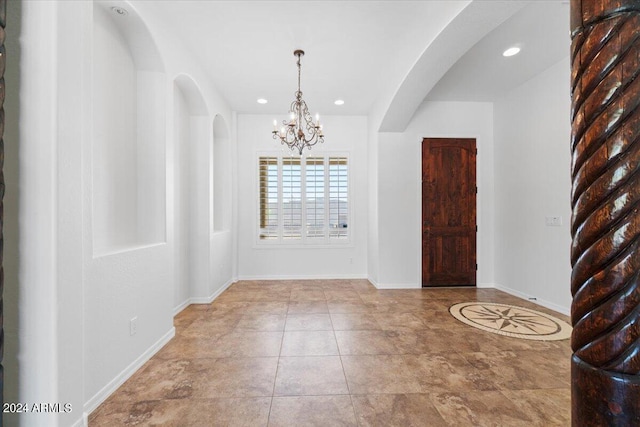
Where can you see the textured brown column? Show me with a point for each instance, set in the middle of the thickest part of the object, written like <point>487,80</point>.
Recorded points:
<point>605,255</point>
<point>3,15</point>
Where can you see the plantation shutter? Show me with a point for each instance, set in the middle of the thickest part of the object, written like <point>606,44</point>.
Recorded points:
<point>291,199</point>
<point>314,190</point>
<point>268,170</point>
<point>338,198</point>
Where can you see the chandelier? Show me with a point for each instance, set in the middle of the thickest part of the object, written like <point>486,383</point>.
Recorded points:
<point>300,130</point>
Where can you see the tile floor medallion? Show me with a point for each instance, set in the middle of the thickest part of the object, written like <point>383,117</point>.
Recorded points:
<point>511,320</point>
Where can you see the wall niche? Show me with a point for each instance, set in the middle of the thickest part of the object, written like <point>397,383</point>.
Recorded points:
<point>128,147</point>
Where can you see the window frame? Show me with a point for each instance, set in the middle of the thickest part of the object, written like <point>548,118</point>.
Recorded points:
<point>304,241</point>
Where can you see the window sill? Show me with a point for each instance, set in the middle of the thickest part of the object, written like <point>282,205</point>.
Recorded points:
<point>345,245</point>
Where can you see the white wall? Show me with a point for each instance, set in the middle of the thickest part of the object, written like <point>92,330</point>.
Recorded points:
<point>134,281</point>
<point>76,304</point>
<point>399,189</point>
<point>222,256</point>
<point>532,170</point>
<point>373,247</point>
<point>10,205</point>
<point>182,197</point>
<point>342,134</point>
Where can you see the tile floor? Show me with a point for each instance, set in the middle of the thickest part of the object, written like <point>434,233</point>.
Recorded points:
<point>342,353</point>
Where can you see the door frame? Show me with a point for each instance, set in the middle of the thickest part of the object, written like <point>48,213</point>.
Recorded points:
<point>418,201</point>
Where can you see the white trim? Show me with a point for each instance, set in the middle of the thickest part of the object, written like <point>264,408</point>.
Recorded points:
<point>397,286</point>
<point>373,282</point>
<point>177,309</point>
<point>102,395</point>
<point>83,421</point>
<point>531,298</point>
<point>210,298</point>
<point>106,252</point>
<point>202,300</point>
<point>485,285</point>
<point>307,277</point>
<point>336,245</point>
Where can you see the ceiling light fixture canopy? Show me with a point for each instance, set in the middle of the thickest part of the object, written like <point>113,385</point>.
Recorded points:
<point>300,130</point>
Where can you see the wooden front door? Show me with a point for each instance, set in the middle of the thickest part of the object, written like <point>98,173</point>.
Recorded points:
<point>449,212</point>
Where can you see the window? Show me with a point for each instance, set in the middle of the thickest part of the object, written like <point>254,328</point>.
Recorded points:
<point>304,201</point>
<point>268,198</point>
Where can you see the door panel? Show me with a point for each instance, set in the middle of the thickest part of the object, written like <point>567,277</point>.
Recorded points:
<point>448,211</point>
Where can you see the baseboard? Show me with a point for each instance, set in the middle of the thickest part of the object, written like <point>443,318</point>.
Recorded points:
<point>107,390</point>
<point>416,285</point>
<point>201,300</point>
<point>396,285</point>
<point>544,303</point>
<point>485,285</point>
<point>210,298</point>
<point>307,277</point>
<point>180,307</point>
<point>82,422</point>
<point>373,282</point>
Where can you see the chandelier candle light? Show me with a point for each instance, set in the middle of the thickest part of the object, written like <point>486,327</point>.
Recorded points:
<point>300,130</point>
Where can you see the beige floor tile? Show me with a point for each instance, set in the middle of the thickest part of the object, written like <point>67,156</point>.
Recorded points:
<point>272,307</point>
<point>545,407</point>
<point>239,412</point>
<point>485,408</point>
<point>235,377</point>
<point>522,370</point>
<point>347,307</point>
<point>273,296</point>
<point>368,342</point>
<point>241,343</point>
<point>342,295</point>
<point>396,410</point>
<point>398,374</point>
<point>320,411</point>
<point>395,321</point>
<point>312,375</point>
<point>274,346</point>
<point>382,374</point>
<point>313,294</point>
<point>308,307</point>
<point>262,322</point>
<point>309,343</point>
<point>309,322</point>
<point>354,321</point>
<point>161,379</point>
<point>187,348</point>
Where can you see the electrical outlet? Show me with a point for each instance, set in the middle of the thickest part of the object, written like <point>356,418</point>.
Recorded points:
<point>553,221</point>
<point>133,326</point>
<point>350,260</point>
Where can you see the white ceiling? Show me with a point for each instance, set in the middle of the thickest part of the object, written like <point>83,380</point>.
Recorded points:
<point>355,50</point>
<point>540,29</point>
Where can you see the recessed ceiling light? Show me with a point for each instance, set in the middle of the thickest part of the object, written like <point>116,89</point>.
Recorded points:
<point>339,102</point>
<point>262,101</point>
<point>119,11</point>
<point>511,51</point>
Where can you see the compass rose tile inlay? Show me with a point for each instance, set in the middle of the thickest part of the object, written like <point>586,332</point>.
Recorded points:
<point>511,321</point>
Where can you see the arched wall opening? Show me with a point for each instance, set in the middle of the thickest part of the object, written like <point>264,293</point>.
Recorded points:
<point>221,186</point>
<point>128,146</point>
<point>221,207</point>
<point>192,177</point>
